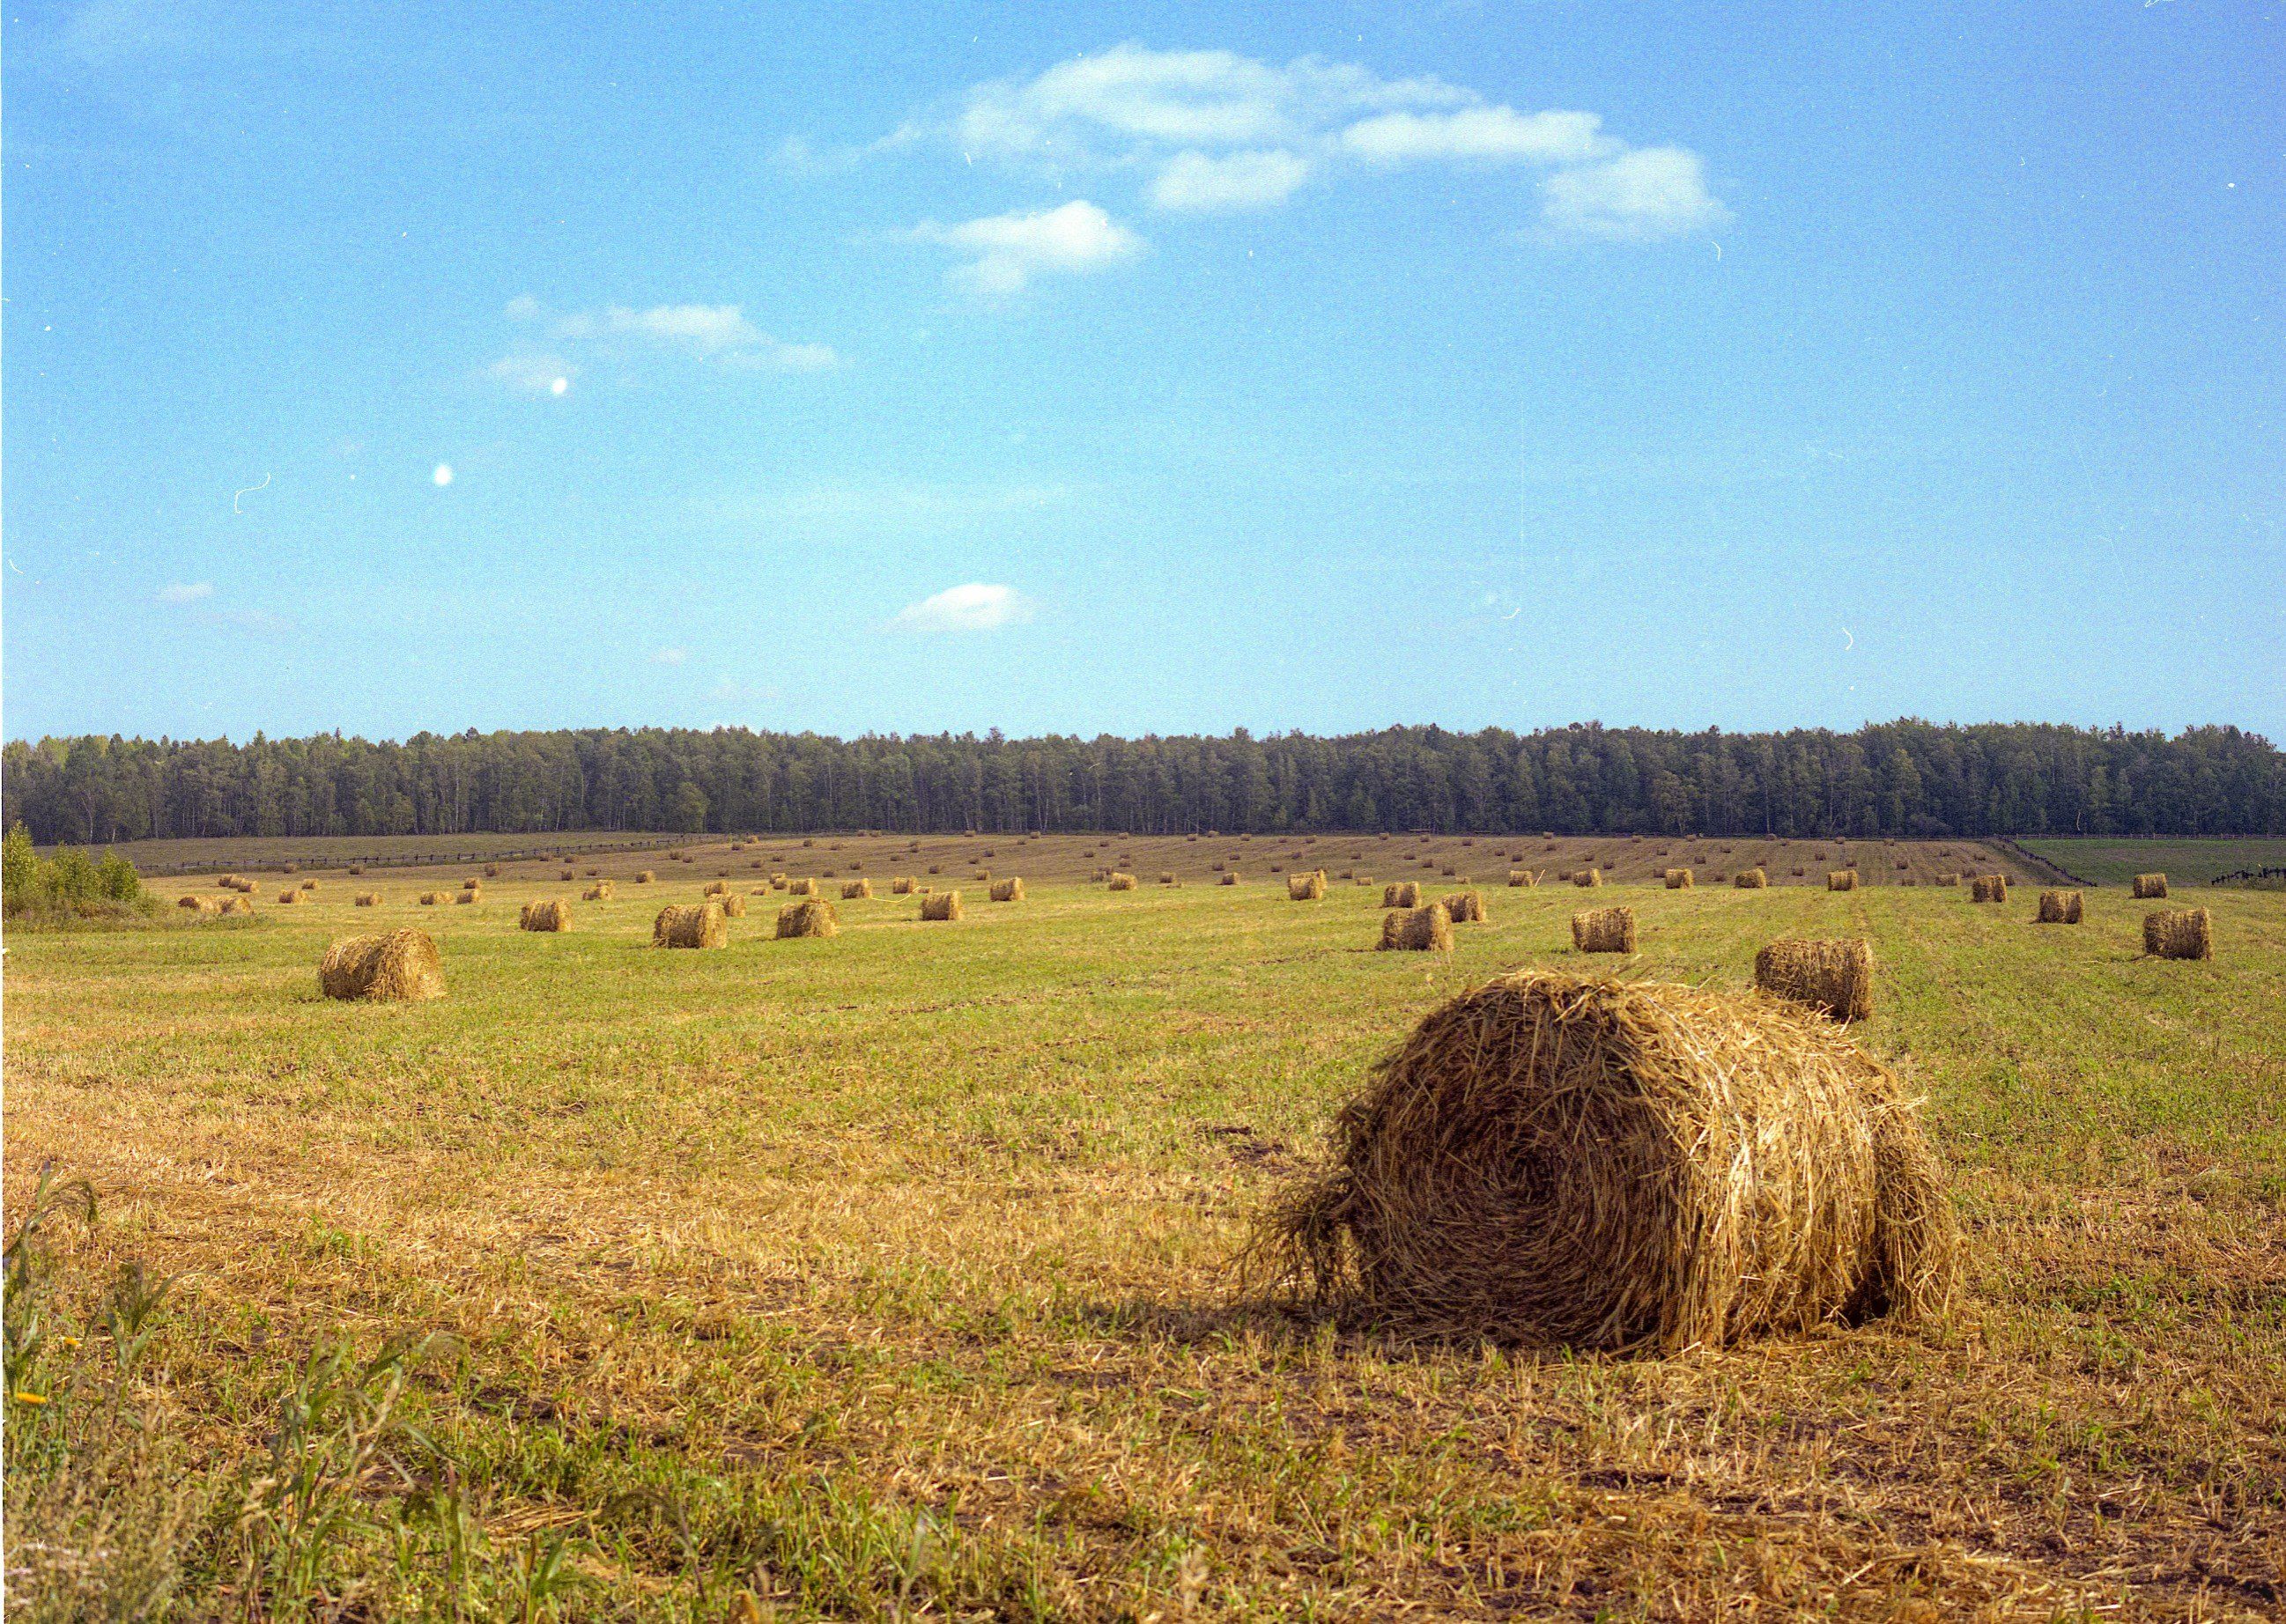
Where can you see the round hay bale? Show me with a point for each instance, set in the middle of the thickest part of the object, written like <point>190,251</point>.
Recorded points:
<point>1466,907</point>
<point>1117,881</point>
<point>901,884</point>
<point>397,966</point>
<point>690,925</point>
<point>1834,977</point>
<point>1987,889</point>
<point>1166,877</point>
<point>226,882</point>
<point>1305,887</point>
<point>1548,1159</point>
<point>549,914</point>
<point>1229,876</point>
<point>600,892</point>
<point>193,902</point>
<point>1603,930</point>
<point>431,899</point>
<point>1417,930</point>
<point>309,884</point>
<point>801,888</point>
<point>1751,879</point>
<point>811,916</point>
<point>1523,878</point>
<point>1007,890</point>
<point>472,884</point>
<point>290,896</point>
<point>2178,933</point>
<point>566,875</point>
<point>2060,908</point>
<point>240,903</point>
<point>365,899</point>
<point>1948,879</point>
<point>1401,893</point>
<point>715,887</point>
<point>2150,887</point>
<point>645,876</point>
<point>941,905</point>
<point>856,890</point>
<point>1841,879</point>
<point>1680,879</point>
<point>1588,877</point>
<point>469,897</point>
<point>733,905</point>
<point>355,869</point>
<point>492,871</point>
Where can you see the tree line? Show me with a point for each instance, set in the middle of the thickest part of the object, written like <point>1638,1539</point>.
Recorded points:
<point>1904,779</point>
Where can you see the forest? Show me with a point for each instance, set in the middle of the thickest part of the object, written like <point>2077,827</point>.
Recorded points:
<point>1906,778</point>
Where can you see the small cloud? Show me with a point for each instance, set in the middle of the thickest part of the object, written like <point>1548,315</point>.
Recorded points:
<point>1241,180</point>
<point>185,591</point>
<point>1650,192</point>
<point>1492,133</point>
<point>1010,250</point>
<point>533,375</point>
<point>716,334</point>
<point>976,607</point>
<point>670,657</point>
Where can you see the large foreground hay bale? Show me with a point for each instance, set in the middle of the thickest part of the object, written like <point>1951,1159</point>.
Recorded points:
<point>1305,887</point>
<point>1841,879</point>
<point>1466,907</point>
<point>1605,930</point>
<point>2060,907</point>
<point>1554,1160</point>
<point>811,916</point>
<point>1834,977</point>
<point>2150,887</point>
<point>1680,879</point>
<point>397,965</point>
<point>856,890</point>
<point>1007,890</point>
<point>1119,882</point>
<point>548,914</point>
<point>1420,930</point>
<point>1588,877</point>
<point>690,925</point>
<point>1751,879</point>
<point>945,905</point>
<point>2178,933</point>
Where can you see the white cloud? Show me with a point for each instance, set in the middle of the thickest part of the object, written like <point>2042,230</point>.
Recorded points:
<point>670,657</point>
<point>1241,180</point>
<point>716,334</point>
<point>1009,249</point>
<point>1652,192</point>
<point>1493,133</point>
<point>529,373</point>
<point>976,607</point>
<point>185,591</point>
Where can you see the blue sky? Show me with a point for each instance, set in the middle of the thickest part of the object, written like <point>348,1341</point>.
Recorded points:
<point>1142,369</point>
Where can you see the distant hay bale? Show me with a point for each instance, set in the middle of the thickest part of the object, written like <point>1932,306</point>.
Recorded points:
<point>801,888</point>
<point>733,904</point>
<point>355,869</point>
<point>192,901</point>
<point>291,868</point>
<point>1558,1160</point>
<point>1166,877</point>
<point>472,884</point>
<point>1795,872</point>
<point>1523,878</point>
<point>365,899</point>
<point>593,893</point>
<point>309,884</point>
<point>227,882</point>
<point>1603,930</point>
<point>2178,933</point>
<point>468,897</point>
<point>1948,879</point>
<point>567,874</point>
<point>715,887</point>
<point>645,876</point>
<point>549,914</point>
<point>2150,887</point>
<point>1402,894</point>
<point>1588,877</point>
<point>1230,877</point>
<point>1841,879</point>
<point>1007,890</point>
<point>941,905</point>
<point>1751,879</point>
<point>492,871</point>
<point>690,925</point>
<point>289,895</point>
<point>1305,887</point>
<point>240,903</point>
<point>1987,889</point>
<point>434,899</point>
<point>1680,879</point>
<point>398,966</point>
<point>1117,882</point>
<point>2060,908</point>
<point>901,886</point>
<point>1417,930</point>
<point>856,890</point>
<point>1466,907</point>
<point>811,916</point>
<point>1834,977</point>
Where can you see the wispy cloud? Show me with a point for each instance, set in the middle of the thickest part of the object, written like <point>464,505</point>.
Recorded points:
<point>1215,130</point>
<point>185,591</point>
<point>543,359</point>
<point>976,607</point>
<point>1007,250</point>
<point>669,657</point>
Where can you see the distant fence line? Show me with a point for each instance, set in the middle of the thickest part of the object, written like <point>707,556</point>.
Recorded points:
<point>2037,863</point>
<point>413,860</point>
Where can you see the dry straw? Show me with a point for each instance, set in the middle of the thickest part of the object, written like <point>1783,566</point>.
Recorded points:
<point>1401,893</point>
<point>1588,877</point>
<point>366,899</point>
<point>856,890</point>
<point>395,966</point>
<point>1834,977</point>
<point>2178,933</point>
<point>1466,907</point>
<point>1420,930</point>
<point>690,925</point>
<point>1118,881</point>
<point>811,916</point>
<point>1305,887</point>
<point>2150,887</point>
<point>2060,907</point>
<point>1605,930</point>
<point>1751,879</point>
<point>941,905</point>
<point>549,914</point>
<point>1680,879</point>
<point>1007,890</point>
<point>1230,877</point>
<point>1841,879</point>
<point>1557,1161</point>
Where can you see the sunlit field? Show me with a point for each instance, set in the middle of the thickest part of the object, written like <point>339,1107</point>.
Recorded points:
<point>893,1274</point>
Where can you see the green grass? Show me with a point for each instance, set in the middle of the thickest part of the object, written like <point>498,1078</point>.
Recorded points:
<point>2185,863</point>
<point>889,1275</point>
